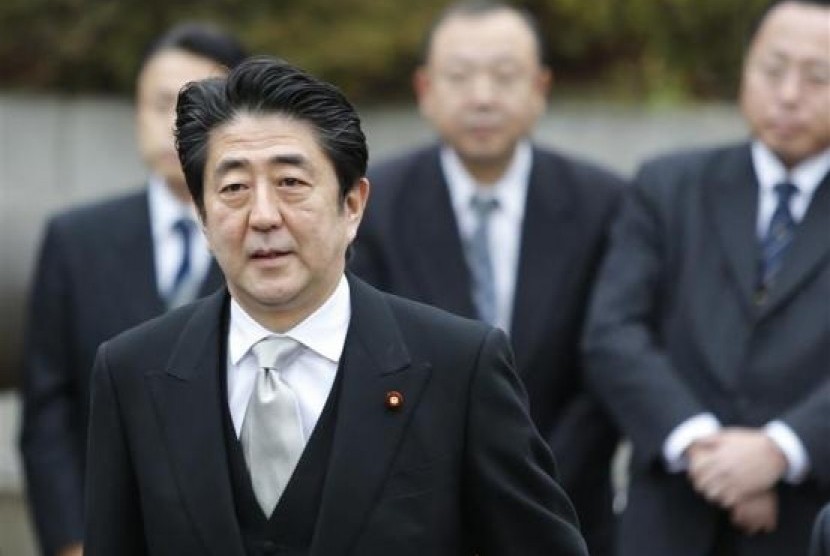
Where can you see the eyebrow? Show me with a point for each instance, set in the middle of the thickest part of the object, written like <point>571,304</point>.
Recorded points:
<point>230,164</point>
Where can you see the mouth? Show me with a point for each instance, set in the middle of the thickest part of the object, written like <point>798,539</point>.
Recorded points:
<point>267,255</point>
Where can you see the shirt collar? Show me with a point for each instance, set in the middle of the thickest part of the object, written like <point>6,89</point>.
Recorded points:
<point>323,332</point>
<point>807,175</point>
<point>510,190</point>
<point>166,208</point>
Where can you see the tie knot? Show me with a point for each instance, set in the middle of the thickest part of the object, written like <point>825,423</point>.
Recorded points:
<point>183,226</point>
<point>483,205</point>
<point>274,352</point>
<point>785,192</point>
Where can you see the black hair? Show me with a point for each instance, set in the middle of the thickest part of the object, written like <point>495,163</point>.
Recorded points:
<point>756,23</point>
<point>467,8</point>
<point>265,85</point>
<point>200,39</point>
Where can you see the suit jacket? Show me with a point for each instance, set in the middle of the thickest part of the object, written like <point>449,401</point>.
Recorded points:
<point>409,244</point>
<point>457,469</point>
<point>820,545</point>
<point>95,277</point>
<point>676,329</point>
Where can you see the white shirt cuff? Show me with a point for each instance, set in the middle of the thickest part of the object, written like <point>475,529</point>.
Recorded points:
<point>798,462</point>
<point>683,435</point>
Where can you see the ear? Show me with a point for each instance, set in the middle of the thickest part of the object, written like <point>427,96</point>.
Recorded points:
<point>355,204</point>
<point>544,81</point>
<point>200,219</point>
<point>421,84</point>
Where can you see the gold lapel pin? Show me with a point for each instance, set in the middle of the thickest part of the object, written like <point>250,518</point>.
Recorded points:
<point>394,400</point>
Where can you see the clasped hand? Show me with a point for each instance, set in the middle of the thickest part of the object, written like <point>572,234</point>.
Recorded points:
<point>737,469</point>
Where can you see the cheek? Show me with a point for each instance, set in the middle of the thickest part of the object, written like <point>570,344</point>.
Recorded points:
<point>226,231</point>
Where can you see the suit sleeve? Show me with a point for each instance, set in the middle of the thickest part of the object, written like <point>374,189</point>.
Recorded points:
<point>51,440</point>
<point>515,503</point>
<point>113,514</point>
<point>625,362</point>
<point>820,544</point>
<point>810,421</point>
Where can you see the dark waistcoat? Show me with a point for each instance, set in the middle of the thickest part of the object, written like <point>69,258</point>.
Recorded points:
<point>290,528</point>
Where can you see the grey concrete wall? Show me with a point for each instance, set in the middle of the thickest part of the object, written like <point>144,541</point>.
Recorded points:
<point>57,152</point>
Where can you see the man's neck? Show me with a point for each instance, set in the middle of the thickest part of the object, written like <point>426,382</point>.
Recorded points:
<point>487,172</point>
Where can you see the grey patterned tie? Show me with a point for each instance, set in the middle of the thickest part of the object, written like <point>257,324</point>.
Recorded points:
<point>185,284</point>
<point>272,438</point>
<point>479,260</point>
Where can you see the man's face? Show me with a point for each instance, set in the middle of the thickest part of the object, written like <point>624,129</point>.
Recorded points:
<point>157,88</point>
<point>483,87</point>
<point>785,90</point>
<point>273,216</point>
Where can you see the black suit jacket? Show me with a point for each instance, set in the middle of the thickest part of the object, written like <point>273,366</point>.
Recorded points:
<point>409,244</point>
<point>458,469</point>
<point>821,534</point>
<point>95,277</point>
<point>676,329</point>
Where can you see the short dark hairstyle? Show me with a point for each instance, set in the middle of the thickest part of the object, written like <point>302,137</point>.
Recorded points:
<point>756,23</point>
<point>265,85</point>
<point>200,39</point>
<point>466,8</point>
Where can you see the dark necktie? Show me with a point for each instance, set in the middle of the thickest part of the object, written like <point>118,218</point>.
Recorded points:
<point>779,236</point>
<point>183,291</point>
<point>478,257</point>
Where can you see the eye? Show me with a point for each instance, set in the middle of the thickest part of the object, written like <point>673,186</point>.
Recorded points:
<point>232,188</point>
<point>290,181</point>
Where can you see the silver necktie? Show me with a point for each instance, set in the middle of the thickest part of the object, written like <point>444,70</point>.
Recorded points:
<point>480,260</point>
<point>272,438</point>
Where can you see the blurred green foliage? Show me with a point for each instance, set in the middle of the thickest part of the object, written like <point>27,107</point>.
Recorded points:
<point>644,50</point>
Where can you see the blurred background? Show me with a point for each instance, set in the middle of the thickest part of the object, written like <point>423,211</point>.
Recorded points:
<point>633,78</point>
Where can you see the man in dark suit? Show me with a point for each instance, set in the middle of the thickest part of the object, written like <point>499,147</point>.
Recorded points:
<point>104,268</point>
<point>709,332</point>
<point>302,411</point>
<point>483,85</point>
<point>820,545</point>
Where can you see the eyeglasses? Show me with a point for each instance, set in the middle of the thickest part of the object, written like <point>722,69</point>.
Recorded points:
<point>810,74</point>
<point>463,78</point>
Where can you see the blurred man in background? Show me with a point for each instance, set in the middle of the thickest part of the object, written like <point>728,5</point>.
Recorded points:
<point>106,267</point>
<point>709,332</point>
<point>488,225</point>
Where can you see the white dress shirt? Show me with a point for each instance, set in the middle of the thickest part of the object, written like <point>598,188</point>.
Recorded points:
<point>806,176</point>
<point>505,222</point>
<point>165,210</point>
<point>310,375</point>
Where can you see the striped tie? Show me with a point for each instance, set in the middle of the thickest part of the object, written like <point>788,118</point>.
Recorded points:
<point>779,236</point>
<point>478,257</point>
<point>183,289</point>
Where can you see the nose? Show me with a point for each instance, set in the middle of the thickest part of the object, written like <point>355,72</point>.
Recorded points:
<point>483,89</point>
<point>265,208</point>
<point>789,89</point>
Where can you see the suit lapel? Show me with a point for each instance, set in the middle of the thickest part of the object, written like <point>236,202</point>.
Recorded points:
<point>430,238</point>
<point>809,248</point>
<point>367,435</point>
<point>135,269</point>
<point>187,400</point>
<point>546,241</point>
<point>731,198</point>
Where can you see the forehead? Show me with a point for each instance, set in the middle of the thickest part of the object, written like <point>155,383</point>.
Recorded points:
<point>173,68</point>
<point>496,33</point>
<point>796,29</point>
<point>257,138</point>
